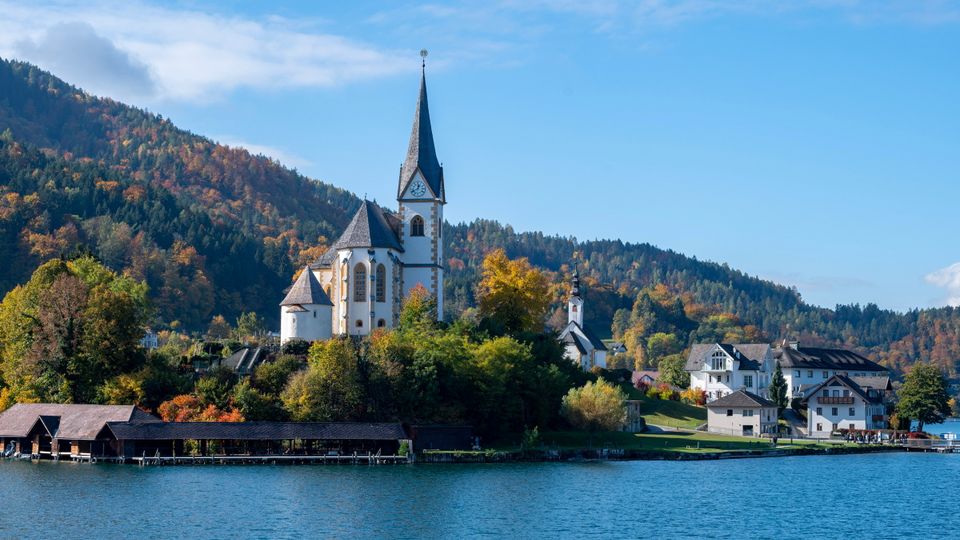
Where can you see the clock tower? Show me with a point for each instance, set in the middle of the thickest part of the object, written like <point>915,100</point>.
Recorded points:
<point>421,197</point>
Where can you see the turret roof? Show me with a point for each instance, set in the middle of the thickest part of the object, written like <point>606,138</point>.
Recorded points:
<point>306,291</point>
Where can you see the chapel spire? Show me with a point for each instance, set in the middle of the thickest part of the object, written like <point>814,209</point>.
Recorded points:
<point>421,152</point>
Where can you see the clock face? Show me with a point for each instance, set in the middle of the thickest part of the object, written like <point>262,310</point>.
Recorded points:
<point>418,189</point>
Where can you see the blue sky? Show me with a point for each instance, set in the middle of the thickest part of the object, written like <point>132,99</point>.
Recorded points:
<point>812,142</point>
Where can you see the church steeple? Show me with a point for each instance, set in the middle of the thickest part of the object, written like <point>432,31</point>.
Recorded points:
<point>421,152</point>
<point>575,303</point>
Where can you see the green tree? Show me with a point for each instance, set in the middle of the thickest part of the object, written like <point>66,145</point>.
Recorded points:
<point>249,326</point>
<point>778,389</point>
<point>596,406</point>
<point>271,377</point>
<point>672,371</point>
<point>330,388</point>
<point>923,396</point>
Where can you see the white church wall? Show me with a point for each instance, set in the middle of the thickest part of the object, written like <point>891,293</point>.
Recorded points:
<point>312,324</point>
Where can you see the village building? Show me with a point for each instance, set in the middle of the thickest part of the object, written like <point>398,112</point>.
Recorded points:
<point>581,345</point>
<point>847,403</point>
<point>51,430</point>
<point>741,413</point>
<point>644,377</point>
<point>807,367</point>
<point>360,282</point>
<point>719,369</point>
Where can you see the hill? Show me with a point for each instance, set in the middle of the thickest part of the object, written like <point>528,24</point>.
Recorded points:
<point>216,230</point>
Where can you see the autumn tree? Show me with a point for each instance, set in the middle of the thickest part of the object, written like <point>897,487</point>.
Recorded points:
<point>513,295</point>
<point>596,406</point>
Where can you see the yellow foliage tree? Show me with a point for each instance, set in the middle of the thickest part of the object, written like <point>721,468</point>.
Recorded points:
<point>513,295</point>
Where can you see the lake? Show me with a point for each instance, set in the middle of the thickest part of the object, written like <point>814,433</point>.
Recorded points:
<point>857,496</point>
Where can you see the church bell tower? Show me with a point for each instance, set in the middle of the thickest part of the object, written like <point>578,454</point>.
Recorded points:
<point>420,198</point>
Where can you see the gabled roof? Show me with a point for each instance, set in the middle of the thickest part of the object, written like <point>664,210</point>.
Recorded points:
<point>817,358</point>
<point>306,290</point>
<point>74,422</point>
<point>843,380</point>
<point>595,342</point>
<point>245,359</point>
<point>574,339</point>
<point>741,398</point>
<point>421,152</point>
<point>369,228</point>
<point>252,431</point>
<point>750,356</point>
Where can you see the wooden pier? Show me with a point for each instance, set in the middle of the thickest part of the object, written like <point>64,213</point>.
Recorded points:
<point>941,446</point>
<point>358,459</point>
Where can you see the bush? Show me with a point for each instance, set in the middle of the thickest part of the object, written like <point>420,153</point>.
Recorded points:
<point>694,396</point>
<point>653,392</point>
<point>667,393</point>
<point>404,448</point>
<point>297,347</point>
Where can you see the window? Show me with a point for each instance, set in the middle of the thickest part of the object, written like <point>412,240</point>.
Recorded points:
<point>833,411</point>
<point>834,427</point>
<point>314,314</point>
<point>853,411</point>
<point>360,283</point>
<point>573,308</point>
<point>381,285</point>
<point>810,373</point>
<point>439,228</point>
<point>796,373</point>
<point>846,393</point>
<point>826,393</point>
<point>729,412</point>
<point>381,323</point>
<point>819,427</point>
<point>327,290</point>
<point>826,374</point>
<point>820,411</point>
<point>748,412</point>
<point>748,380</point>
<point>359,323</point>
<point>852,427</point>
<point>416,226</point>
<point>728,377</point>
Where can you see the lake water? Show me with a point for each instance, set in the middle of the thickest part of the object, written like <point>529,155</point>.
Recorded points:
<point>859,496</point>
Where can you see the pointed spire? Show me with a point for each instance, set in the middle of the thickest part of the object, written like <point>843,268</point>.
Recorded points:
<point>421,152</point>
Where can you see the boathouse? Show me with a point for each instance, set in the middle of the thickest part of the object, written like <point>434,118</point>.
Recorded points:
<point>51,430</point>
<point>169,439</point>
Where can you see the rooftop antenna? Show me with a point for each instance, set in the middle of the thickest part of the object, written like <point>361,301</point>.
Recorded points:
<point>423,57</point>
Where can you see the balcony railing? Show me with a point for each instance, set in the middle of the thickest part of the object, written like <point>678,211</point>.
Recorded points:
<point>835,400</point>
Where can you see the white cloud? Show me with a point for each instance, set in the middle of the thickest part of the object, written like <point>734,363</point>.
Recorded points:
<point>947,278</point>
<point>284,157</point>
<point>187,55</point>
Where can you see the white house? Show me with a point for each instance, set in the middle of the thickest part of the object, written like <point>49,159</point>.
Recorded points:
<point>580,344</point>
<point>849,403</point>
<point>806,367</point>
<point>719,369</point>
<point>741,413</point>
<point>381,256</point>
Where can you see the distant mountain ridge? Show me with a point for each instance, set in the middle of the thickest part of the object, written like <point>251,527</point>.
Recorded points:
<point>215,230</point>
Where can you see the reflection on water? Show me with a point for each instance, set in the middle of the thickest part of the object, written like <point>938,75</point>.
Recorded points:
<point>877,496</point>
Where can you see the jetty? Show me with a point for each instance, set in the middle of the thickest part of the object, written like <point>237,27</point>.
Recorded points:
<point>942,446</point>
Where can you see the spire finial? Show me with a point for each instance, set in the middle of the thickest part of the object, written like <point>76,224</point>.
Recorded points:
<point>423,59</point>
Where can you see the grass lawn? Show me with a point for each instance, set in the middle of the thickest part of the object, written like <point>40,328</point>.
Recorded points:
<point>680,441</point>
<point>661,412</point>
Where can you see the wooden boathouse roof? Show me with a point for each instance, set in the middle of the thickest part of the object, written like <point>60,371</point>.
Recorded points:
<point>254,431</point>
<point>68,421</point>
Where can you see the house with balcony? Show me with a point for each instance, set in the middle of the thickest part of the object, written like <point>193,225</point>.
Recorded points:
<point>847,403</point>
<point>720,369</point>
<point>805,368</point>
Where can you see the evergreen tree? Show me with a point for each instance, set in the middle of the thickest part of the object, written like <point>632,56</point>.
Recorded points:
<point>778,389</point>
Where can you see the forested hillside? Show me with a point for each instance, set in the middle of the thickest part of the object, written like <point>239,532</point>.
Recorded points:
<point>214,230</point>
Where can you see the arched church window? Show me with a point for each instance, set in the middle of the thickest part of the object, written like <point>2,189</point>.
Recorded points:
<point>359,323</point>
<point>360,283</point>
<point>416,226</point>
<point>381,288</point>
<point>381,323</point>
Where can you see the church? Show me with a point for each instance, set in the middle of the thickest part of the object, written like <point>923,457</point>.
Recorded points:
<point>360,282</point>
